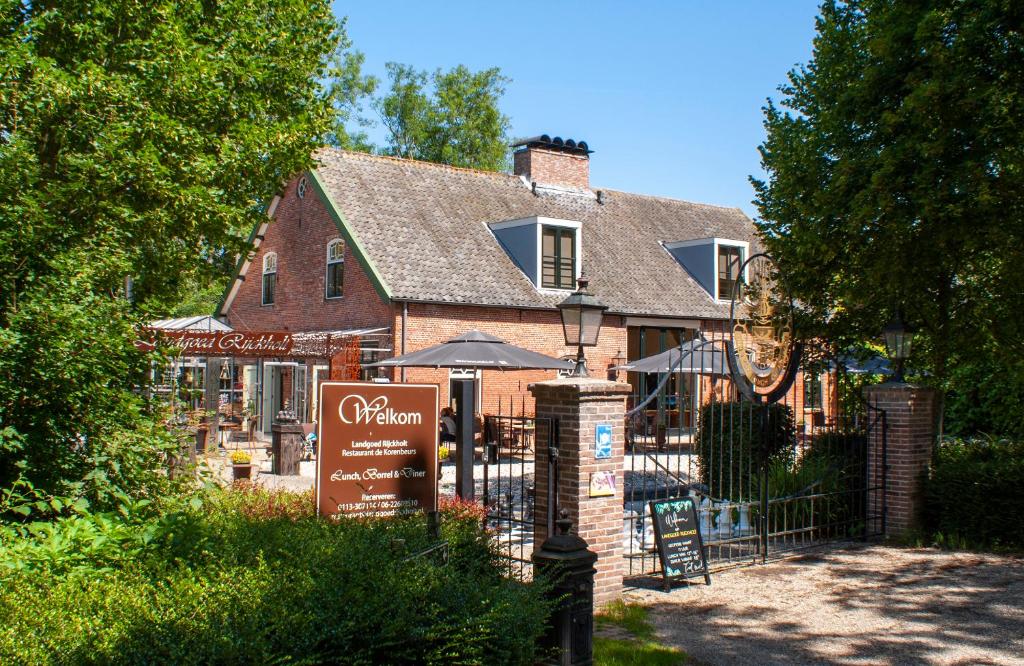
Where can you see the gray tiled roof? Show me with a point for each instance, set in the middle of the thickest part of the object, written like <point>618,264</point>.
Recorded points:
<point>424,228</point>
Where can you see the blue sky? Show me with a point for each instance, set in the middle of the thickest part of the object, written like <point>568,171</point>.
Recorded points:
<point>667,94</point>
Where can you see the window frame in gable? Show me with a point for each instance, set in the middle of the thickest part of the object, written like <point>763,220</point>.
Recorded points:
<point>335,263</point>
<point>269,279</point>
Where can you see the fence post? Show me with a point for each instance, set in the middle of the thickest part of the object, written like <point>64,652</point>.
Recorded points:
<point>568,566</point>
<point>762,464</point>
<point>899,453</point>
<point>589,489</point>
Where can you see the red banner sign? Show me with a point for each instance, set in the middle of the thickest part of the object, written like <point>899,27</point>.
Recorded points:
<point>378,449</point>
<point>229,343</point>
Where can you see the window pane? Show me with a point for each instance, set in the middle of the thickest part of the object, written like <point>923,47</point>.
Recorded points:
<point>566,244</point>
<point>813,397</point>
<point>558,258</point>
<point>547,276</point>
<point>269,285</point>
<point>335,279</point>
<point>548,246</point>
<point>549,258</point>
<point>568,255</point>
<point>729,260</point>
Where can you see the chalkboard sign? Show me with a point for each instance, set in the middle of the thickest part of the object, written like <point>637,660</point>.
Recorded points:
<point>678,538</point>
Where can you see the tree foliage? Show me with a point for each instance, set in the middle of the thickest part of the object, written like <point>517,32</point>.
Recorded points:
<point>136,139</point>
<point>448,117</point>
<point>895,164</point>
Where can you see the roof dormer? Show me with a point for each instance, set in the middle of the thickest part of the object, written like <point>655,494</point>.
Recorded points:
<point>713,262</point>
<point>547,250</point>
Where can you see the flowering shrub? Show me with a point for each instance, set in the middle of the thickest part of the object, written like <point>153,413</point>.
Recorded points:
<point>258,503</point>
<point>455,508</point>
<point>257,578</point>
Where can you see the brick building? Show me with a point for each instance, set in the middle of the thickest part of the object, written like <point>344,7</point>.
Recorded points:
<point>396,255</point>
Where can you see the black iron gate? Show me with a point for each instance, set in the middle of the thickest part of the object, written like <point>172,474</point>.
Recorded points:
<point>504,480</point>
<point>803,472</point>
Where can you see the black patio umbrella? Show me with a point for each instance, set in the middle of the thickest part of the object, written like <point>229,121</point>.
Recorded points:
<point>875,365</point>
<point>697,357</point>
<point>475,349</point>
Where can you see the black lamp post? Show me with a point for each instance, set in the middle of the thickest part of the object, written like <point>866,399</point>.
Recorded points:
<point>898,338</point>
<point>581,322</point>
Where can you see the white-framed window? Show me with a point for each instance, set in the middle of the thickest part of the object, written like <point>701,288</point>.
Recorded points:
<point>465,373</point>
<point>714,262</point>
<point>814,391</point>
<point>335,280</point>
<point>558,257</point>
<point>269,277</point>
<point>548,250</point>
<point>730,258</point>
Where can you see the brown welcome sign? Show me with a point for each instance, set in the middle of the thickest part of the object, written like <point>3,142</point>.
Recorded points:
<point>378,449</point>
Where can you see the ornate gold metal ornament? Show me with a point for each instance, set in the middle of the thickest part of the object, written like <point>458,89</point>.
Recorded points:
<point>763,354</point>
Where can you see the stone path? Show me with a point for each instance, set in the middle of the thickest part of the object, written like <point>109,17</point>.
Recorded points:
<point>858,605</point>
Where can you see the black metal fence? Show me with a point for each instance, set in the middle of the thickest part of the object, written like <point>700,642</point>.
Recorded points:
<point>805,472</point>
<point>505,481</point>
<point>768,479</point>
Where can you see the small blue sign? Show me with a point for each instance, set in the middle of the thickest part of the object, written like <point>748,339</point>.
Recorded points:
<point>603,441</point>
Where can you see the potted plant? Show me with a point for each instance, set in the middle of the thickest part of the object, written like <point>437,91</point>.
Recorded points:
<point>442,452</point>
<point>241,465</point>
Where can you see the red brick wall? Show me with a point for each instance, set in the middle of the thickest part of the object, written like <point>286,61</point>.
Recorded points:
<point>299,234</point>
<point>551,167</point>
<point>579,405</point>
<point>536,330</point>
<point>900,454</point>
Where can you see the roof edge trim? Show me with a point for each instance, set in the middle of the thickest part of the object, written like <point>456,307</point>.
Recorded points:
<point>350,237</point>
<point>242,265</point>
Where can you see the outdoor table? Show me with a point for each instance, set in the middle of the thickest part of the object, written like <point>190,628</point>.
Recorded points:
<point>516,437</point>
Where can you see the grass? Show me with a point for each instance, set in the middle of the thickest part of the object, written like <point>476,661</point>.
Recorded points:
<point>638,646</point>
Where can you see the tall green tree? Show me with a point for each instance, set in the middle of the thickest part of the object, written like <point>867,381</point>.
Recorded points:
<point>137,137</point>
<point>895,164</point>
<point>448,117</point>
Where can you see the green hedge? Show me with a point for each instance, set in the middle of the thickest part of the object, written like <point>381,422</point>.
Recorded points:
<point>729,446</point>
<point>974,494</point>
<point>823,487</point>
<point>260,580</point>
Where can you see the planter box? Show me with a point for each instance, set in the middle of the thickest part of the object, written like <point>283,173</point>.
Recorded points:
<point>244,471</point>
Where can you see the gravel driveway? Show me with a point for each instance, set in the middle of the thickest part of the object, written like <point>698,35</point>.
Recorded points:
<point>857,605</point>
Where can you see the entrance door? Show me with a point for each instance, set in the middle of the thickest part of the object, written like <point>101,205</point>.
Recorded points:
<point>299,398</point>
<point>274,391</point>
<point>465,373</point>
<point>321,373</point>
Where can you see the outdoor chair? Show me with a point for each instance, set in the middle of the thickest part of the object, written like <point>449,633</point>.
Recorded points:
<point>516,438</point>
<point>309,447</point>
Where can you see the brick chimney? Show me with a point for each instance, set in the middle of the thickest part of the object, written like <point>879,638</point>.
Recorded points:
<point>548,161</point>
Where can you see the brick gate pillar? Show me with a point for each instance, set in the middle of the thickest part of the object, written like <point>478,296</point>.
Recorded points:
<point>580,405</point>
<point>899,452</point>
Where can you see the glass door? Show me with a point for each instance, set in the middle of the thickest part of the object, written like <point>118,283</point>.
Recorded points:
<point>299,393</point>
<point>274,391</point>
<point>321,373</point>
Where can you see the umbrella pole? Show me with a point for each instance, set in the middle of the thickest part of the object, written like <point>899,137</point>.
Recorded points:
<point>465,410</point>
